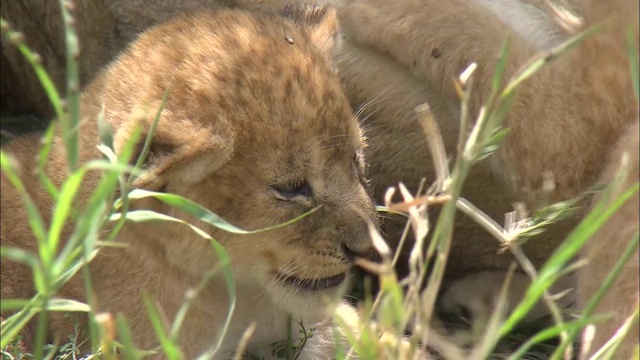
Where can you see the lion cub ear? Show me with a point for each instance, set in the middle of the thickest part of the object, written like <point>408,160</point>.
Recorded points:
<point>181,154</point>
<point>320,22</point>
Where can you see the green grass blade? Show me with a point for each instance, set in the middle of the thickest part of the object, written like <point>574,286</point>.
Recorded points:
<point>500,69</point>
<point>606,285</point>
<point>112,167</point>
<point>140,216</point>
<point>170,349</point>
<point>61,211</point>
<point>125,337</point>
<point>150,134</point>
<point>33,215</point>
<point>565,252</point>
<point>43,154</point>
<point>223,257</point>
<point>126,153</point>
<point>609,349</point>
<point>36,63</point>
<point>72,265</point>
<point>105,131</point>
<point>204,214</point>
<point>19,255</point>
<point>71,122</point>
<point>148,215</point>
<point>66,305</point>
<point>12,325</point>
<point>551,333</point>
<point>552,55</point>
<point>9,305</point>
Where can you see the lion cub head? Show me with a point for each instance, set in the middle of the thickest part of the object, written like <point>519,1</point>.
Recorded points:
<point>257,129</point>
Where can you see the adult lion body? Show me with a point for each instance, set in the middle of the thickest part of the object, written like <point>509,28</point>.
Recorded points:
<point>254,148</point>
<point>575,119</point>
<point>398,54</point>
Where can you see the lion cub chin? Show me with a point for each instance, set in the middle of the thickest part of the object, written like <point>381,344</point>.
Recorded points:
<point>257,129</point>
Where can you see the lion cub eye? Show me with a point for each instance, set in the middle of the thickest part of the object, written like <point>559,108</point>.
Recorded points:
<point>293,191</point>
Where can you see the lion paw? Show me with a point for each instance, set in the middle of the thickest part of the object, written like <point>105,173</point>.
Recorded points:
<point>479,294</point>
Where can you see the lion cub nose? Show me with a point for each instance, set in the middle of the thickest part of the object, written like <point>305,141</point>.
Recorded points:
<point>362,248</point>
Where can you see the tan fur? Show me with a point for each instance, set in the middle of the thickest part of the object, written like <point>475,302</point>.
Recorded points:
<point>607,247</point>
<point>104,28</point>
<point>41,24</point>
<point>564,120</point>
<point>247,111</point>
<point>398,152</point>
<point>529,151</point>
<point>398,54</point>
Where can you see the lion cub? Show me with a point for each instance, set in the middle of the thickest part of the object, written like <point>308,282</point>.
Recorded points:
<point>257,129</point>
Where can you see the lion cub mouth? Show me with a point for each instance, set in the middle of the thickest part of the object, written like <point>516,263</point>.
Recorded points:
<point>313,284</point>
